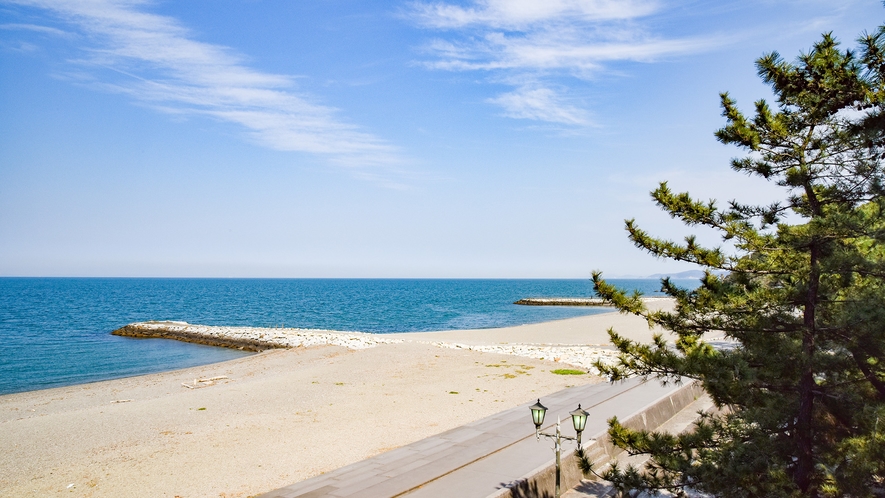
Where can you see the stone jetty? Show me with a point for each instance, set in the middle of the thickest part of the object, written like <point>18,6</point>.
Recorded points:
<point>251,338</point>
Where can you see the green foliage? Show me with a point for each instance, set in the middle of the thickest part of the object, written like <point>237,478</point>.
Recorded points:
<point>803,391</point>
<point>567,371</point>
<point>583,461</point>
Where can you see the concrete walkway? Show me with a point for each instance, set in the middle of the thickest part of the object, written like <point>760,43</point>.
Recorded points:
<point>496,455</point>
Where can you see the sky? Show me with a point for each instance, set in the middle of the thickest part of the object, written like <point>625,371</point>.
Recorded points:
<point>374,139</point>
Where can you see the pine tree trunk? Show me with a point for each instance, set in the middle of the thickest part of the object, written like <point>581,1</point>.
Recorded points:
<point>804,420</point>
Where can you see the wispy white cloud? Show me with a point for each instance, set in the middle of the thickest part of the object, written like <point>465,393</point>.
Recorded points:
<point>552,51</point>
<point>542,40</point>
<point>541,104</point>
<point>157,61</point>
<point>519,14</point>
<point>35,27</point>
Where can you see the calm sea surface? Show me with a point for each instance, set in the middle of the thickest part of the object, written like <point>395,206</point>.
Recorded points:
<point>56,331</point>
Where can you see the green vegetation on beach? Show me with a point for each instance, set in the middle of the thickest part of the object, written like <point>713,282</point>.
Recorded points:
<point>567,371</point>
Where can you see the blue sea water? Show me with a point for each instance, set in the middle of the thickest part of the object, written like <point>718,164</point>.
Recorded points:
<point>56,331</point>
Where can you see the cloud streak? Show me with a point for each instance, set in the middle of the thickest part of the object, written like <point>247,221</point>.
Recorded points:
<point>158,62</point>
<point>533,43</point>
<point>521,14</point>
<point>34,27</point>
<point>540,104</point>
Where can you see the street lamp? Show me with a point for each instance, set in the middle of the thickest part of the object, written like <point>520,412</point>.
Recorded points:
<point>538,412</point>
<point>579,421</point>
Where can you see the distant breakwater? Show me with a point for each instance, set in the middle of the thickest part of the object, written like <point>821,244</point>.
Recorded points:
<point>576,301</point>
<point>561,301</point>
<point>249,338</point>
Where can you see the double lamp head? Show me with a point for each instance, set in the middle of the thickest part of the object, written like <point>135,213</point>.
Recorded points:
<point>579,417</point>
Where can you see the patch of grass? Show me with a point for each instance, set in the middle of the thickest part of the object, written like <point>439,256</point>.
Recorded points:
<point>453,392</point>
<point>509,376</point>
<point>567,371</point>
<point>339,383</point>
<point>201,409</point>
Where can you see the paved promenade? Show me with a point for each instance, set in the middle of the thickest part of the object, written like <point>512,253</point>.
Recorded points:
<point>492,455</point>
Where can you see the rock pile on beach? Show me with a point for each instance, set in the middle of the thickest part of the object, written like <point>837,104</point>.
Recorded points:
<point>260,339</point>
<point>251,338</point>
<point>580,356</point>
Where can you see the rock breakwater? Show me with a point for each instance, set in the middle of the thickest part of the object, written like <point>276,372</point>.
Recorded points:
<point>251,338</point>
<point>561,301</point>
<point>575,301</point>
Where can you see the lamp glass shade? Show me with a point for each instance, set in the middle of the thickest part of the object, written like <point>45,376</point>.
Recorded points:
<point>579,419</point>
<point>538,412</point>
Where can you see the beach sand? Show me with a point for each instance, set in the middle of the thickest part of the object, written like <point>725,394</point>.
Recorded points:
<point>276,417</point>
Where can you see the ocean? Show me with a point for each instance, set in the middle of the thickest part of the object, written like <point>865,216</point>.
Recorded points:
<point>56,331</point>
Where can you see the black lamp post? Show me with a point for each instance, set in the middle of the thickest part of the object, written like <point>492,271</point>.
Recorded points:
<point>579,421</point>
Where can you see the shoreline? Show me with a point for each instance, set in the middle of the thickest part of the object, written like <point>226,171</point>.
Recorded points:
<point>570,346</point>
<point>258,339</point>
<point>468,339</point>
<point>249,425</point>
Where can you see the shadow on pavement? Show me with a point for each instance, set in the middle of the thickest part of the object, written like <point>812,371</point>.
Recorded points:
<point>525,489</point>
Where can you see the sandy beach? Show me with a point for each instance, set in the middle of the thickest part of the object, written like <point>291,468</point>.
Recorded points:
<point>279,416</point>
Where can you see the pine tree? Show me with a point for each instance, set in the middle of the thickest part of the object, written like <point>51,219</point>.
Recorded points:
<point>799,286</point>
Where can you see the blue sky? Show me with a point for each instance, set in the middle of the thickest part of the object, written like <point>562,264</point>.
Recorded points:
<point>341,138</point>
